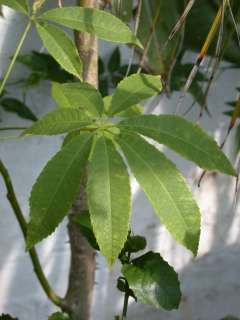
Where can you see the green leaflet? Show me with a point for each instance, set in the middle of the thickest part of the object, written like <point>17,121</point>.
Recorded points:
<point>184,137</point>
<point>109,196</point>
<point>19,5</point>
<point>56,188</point>
<point>134,89</point>
<point>78,95</point>
<point>153,281</point>
<point>165,188</point>
<point>59,121</point>
<point>61,98</point>
<point>61,47</point>
<point>98,22</point>
<point>134,110</point>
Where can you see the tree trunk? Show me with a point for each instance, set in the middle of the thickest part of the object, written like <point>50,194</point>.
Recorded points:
<point>82,268</point>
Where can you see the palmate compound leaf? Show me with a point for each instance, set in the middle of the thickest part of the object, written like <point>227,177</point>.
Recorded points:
<point>18,5</point>
<point>59,121</point>
<point>61,48</point>
<point>109,198</point>
<point>56,188</point>
<point>78,95</point>
<point>182,136</point>
<point>153,281</point>
<point>134,89</point>
<point>165,188</point>
<point>98,22</point>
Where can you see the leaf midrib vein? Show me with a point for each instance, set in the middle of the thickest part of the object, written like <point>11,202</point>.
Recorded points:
<point>156,177</point>
<point>171,136</point>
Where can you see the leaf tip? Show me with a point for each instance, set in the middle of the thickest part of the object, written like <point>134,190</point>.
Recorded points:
<point>138,43</point>
<point>192,242</point>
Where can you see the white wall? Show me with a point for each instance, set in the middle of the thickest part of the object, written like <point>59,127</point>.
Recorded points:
<point>210,283</point>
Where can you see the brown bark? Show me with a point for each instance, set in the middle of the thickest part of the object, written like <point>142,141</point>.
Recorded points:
<point>82,268</point>
<point>88,49</point>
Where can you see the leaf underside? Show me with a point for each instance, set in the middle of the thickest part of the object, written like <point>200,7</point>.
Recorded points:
<point>134,89</point>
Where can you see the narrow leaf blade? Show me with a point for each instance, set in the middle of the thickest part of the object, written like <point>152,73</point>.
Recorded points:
<point>109,212</point>
<point>133,111</point>
<point>133,90</point>
<point>59,121</point>
<point>61,47</point>
<point>56,188</point>
<point>165,188</point>
<point>18,5</point>
<point>153,281</point>
<point>78,95</point>
<point>184,137</point>
<point>98,22</point>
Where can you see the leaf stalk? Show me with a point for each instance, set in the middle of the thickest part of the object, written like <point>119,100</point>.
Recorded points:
<point>11,196</point>
<point>19,47</point>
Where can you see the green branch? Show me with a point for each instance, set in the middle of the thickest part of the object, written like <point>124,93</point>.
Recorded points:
<point>12,128</point>
<point>125,306</point>
<point>19,47</point>
<point>23,225</point>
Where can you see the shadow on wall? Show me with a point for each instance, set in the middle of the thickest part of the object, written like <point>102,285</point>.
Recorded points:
<point>210,283</point>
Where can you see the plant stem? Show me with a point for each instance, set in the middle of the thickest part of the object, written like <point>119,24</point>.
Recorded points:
<point>12,128</point>
<point>125,306</point>
<point>11,196</point>
<point>138,15</point>
<point>19,47</point>
<point>82,265</point>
